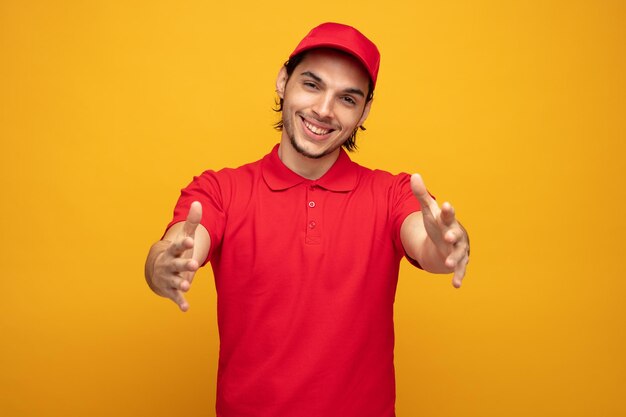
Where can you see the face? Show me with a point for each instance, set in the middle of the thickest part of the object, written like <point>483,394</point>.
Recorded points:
<point>324,101</point>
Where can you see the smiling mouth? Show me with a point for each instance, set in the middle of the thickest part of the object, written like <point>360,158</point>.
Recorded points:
<point>319,131</point>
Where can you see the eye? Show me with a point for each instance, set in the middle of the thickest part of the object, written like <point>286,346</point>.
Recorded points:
<point>349,100</point>
<point>310,84</point>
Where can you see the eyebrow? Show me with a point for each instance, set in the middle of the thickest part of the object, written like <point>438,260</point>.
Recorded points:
<point>355,91</point>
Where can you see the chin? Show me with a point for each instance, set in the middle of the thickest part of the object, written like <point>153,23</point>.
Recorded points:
<point>304,152</point>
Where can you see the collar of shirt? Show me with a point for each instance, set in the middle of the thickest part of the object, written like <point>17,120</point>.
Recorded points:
<point>341,177</point>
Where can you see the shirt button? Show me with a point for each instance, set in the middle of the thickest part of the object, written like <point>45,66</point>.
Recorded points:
<point>312,225</point>
<point>311,204</point>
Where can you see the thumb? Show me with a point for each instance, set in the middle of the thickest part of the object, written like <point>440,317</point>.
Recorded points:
<point>193,219</point>
<point>421,193</point>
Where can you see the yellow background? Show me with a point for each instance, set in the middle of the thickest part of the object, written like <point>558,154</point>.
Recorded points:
<point>513,111</point>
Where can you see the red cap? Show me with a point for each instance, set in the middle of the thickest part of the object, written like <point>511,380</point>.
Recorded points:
<point>344,38</point>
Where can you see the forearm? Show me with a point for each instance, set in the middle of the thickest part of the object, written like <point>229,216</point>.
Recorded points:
<point>419,245</point>
<point>429,258</point>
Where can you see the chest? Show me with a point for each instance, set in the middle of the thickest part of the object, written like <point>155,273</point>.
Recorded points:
<point>306,236</point>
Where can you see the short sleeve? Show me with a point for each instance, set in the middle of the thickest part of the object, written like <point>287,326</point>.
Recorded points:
<point>205,189</point>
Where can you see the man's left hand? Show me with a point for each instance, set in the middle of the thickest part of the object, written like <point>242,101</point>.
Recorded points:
<point>446,233</point>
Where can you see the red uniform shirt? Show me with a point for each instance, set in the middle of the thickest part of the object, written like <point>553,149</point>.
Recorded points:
<point>306,273</point>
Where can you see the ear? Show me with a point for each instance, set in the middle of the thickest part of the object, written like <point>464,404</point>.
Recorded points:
<point>281,82</point>
<point>366,112</point>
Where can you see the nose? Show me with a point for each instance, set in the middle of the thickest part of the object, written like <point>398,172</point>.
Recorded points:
<point>324,106</point>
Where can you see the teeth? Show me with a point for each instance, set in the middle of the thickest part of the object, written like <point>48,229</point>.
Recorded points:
<point>315,129</point>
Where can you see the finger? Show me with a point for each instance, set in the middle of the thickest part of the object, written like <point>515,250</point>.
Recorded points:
<point>453,235</point>
<point>193,219</point>
<point>180,300</point>
<point>179,246</point>
<point>420,192</point>
<point>458,253</point>
<point>179,283</point>
<point>459,274</point>
<point>183,265</point>
<point>448,216</point>
<point>178,297</point>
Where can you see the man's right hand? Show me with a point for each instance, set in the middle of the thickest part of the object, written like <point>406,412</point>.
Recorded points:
<point>173,261</point>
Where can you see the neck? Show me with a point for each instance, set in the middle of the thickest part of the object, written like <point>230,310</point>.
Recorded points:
<point>309,168</point>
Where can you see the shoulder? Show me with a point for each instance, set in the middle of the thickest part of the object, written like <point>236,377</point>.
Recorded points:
<point>382,179</point>
<point>219,186</point>
<point>226,177</point>
<point>240,173</point>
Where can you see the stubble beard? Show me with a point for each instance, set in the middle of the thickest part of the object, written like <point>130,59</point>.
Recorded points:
<point>290,131</point>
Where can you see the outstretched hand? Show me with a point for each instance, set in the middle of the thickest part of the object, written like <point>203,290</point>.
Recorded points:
<point>173,268</point>
<point>443,229</point>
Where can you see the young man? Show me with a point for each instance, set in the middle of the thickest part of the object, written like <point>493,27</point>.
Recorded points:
<point>305,246</point>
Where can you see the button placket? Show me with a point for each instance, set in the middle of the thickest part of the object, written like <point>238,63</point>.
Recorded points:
<point>313,235</point>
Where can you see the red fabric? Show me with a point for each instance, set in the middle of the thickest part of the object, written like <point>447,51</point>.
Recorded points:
<point>306,273</point>
<point>345,38</point>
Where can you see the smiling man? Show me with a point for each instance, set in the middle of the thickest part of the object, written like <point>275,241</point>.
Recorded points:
<point>327,102</point>
<point>305,246</point>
